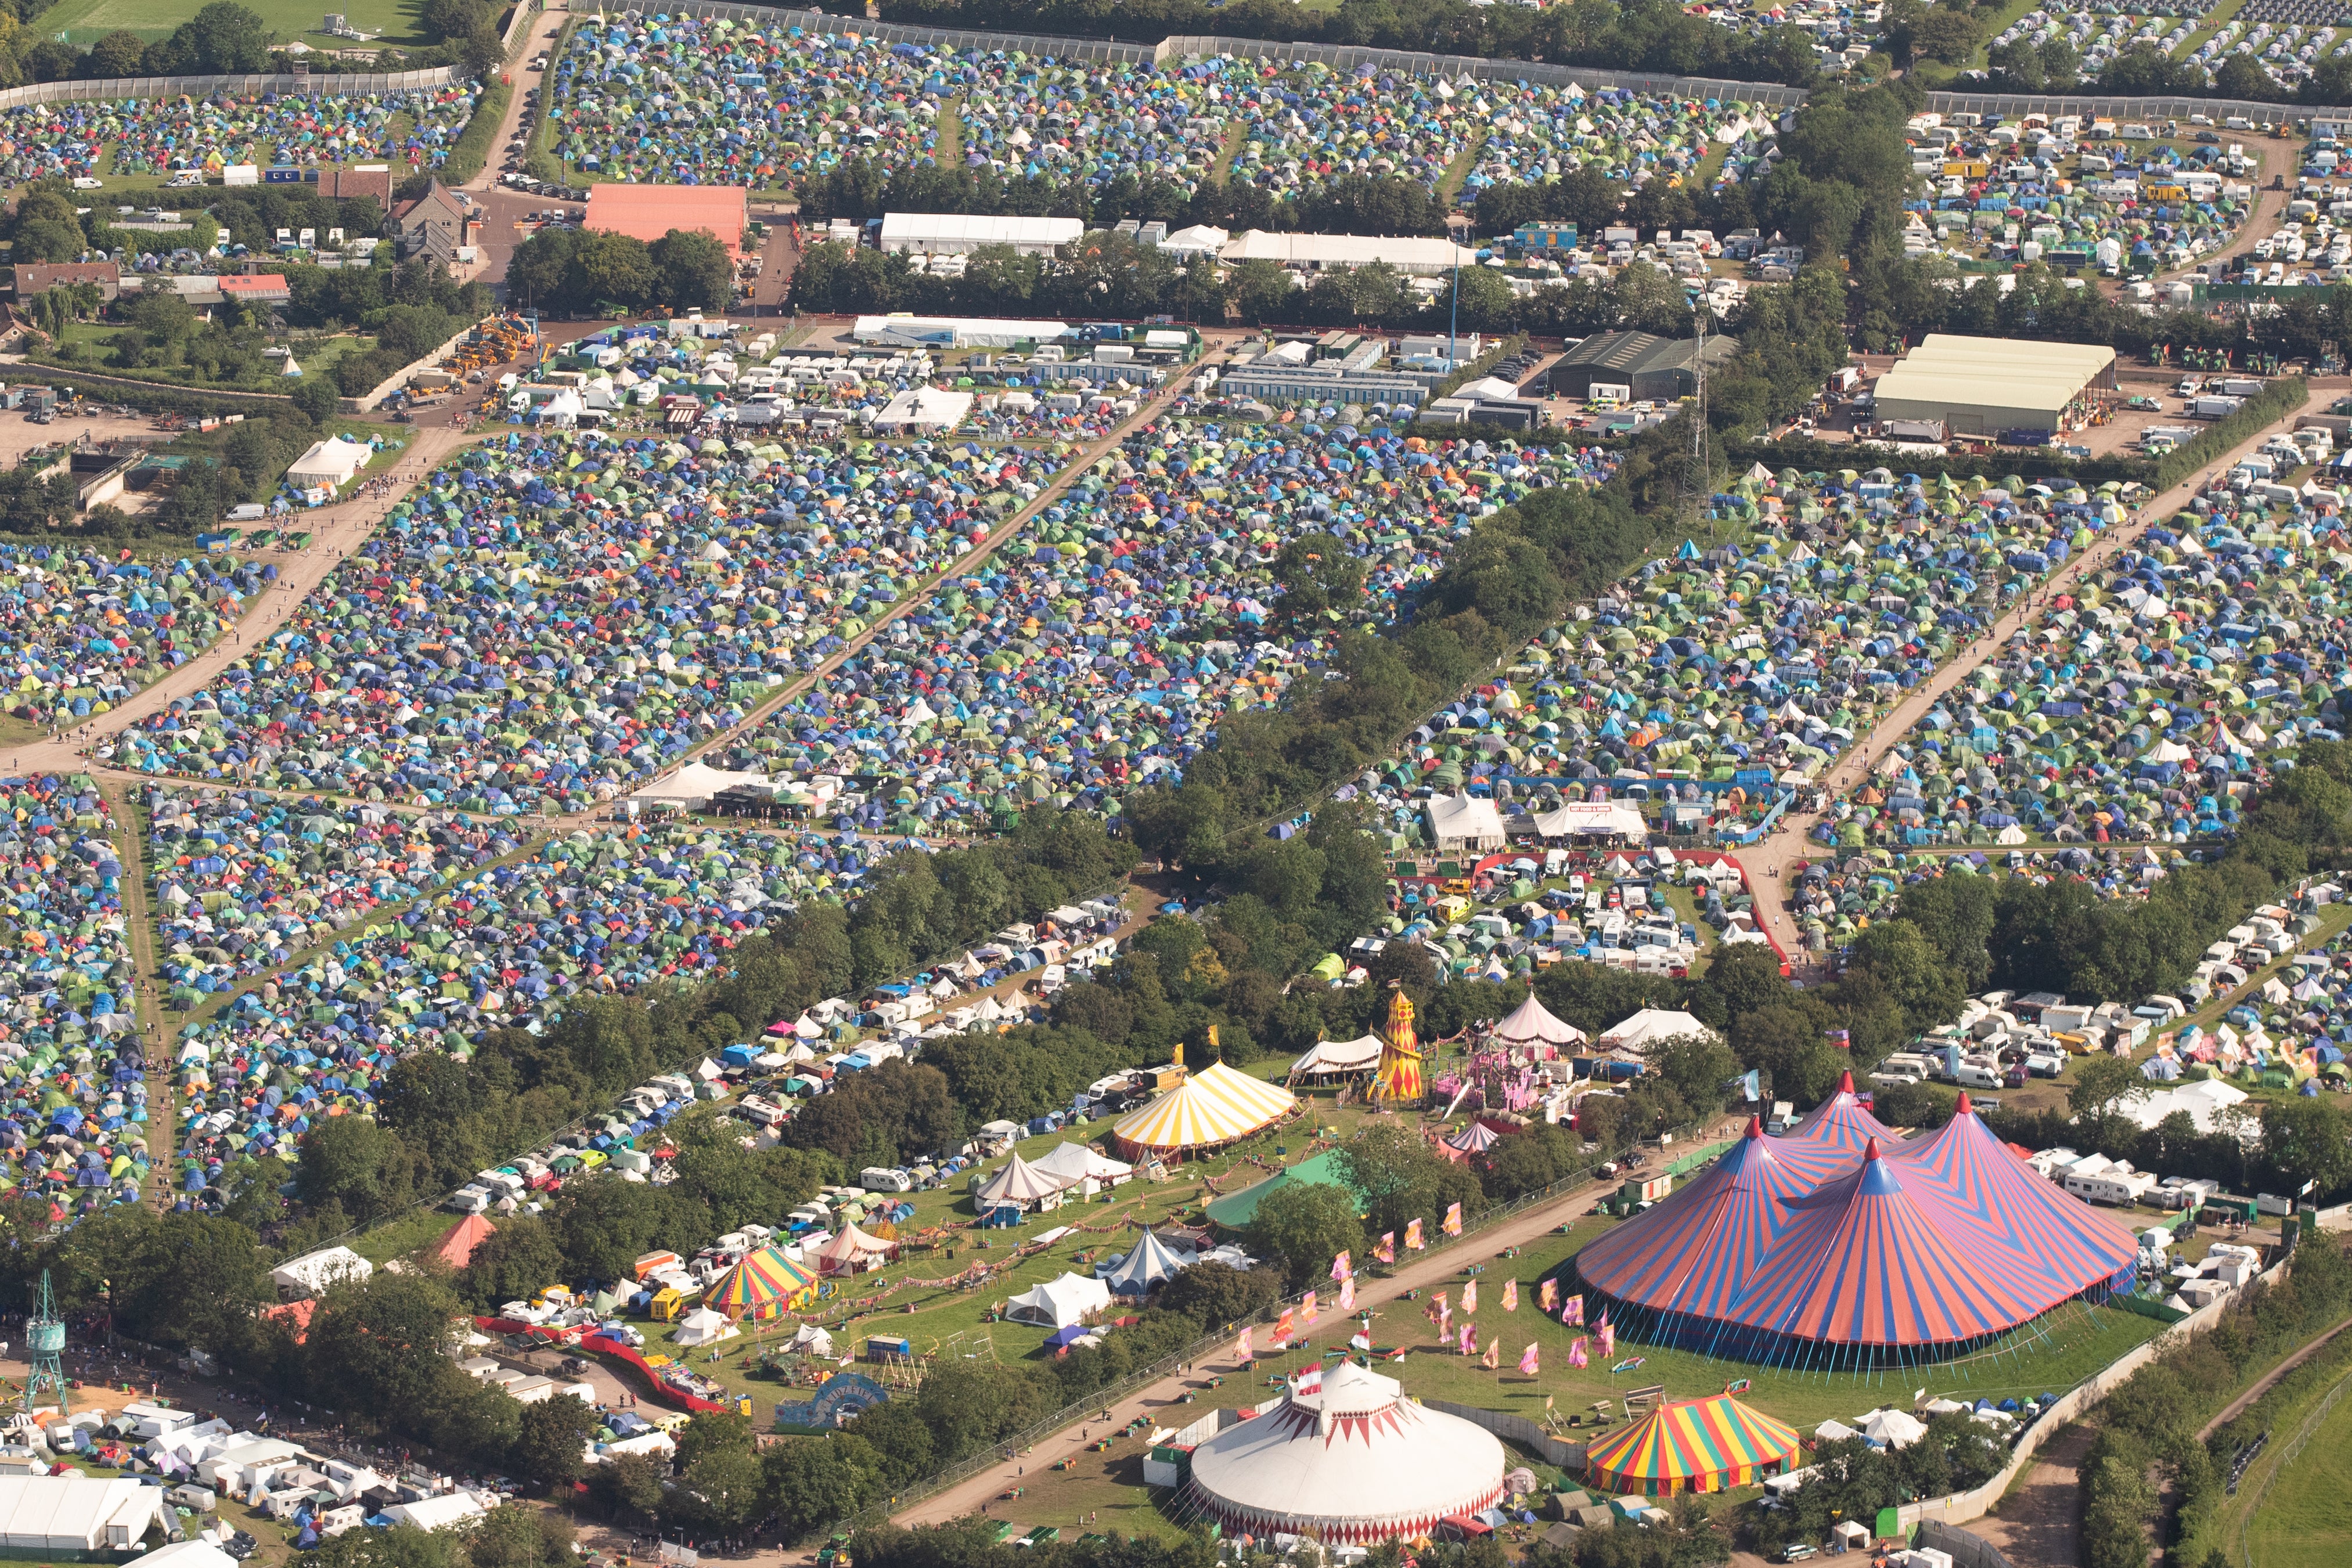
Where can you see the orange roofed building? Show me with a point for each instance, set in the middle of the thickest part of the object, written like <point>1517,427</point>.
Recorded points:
<point>649,212</point>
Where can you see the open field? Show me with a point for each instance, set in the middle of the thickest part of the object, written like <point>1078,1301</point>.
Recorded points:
<point>82,21</point>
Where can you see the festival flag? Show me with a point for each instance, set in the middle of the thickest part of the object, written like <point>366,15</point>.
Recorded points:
<point>1493,1360</point>
<point>1306,1309</point>
<point>1469,1339</point>
<point>1530,1363</point>
<point>1242,1351</point>
<point>1547,1297</point>
<point>1309,1381</point>
<point>1347,1295</point>
<point>1573,1313</point>
<point>1452,1219</point>
<point>1386,1251</point>
<point>1470,1298</point>
<point>1510,1295</point>
<point>1608,1335</point>
<point>1412,1235</point>
<point>1359,1340</point>
<point>1341,1269</point>
<point>1282,1325</point>
<point>1576,1354</point>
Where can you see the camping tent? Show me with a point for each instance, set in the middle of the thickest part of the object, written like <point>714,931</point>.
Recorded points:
<point>852,1250</point>
<point>764,1283</point>
<point>703,1326</point>
<point>1149,1264</point>
<point>1336,1058</point>
<point>1018,1182</point>
<point>1207,1111</point>
<point>1060,1302</point>
<point>1892,1428</point>
<point>1692,1445</point>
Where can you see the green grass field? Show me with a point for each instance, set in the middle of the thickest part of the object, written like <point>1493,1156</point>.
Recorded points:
<point>83,22</point>
<point>2306,1518</point>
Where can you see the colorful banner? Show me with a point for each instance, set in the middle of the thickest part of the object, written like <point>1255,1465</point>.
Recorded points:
<point>1306,1309</point>
<point>1530,1365</point>
<point>1470,1297</point>
<point>1577,1356</point>
<point>1386,1250</point>
<point>1413,1236</point>
<point>1547,1297</point>
<point>1452,1219</point>
<point>1510,1295</point>
<point>1341,1269</point>
<point>1347,1295</point>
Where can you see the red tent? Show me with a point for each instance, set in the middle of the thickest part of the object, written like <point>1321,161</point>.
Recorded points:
<point>456,1247</point>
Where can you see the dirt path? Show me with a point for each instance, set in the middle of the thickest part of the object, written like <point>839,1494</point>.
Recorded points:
<point>2263,1384</point>
<point>2039,1523</point>
<point>163,1090</point>
<point>1518,1232</point>
<point>544,32</point>
<point>1766,860</point>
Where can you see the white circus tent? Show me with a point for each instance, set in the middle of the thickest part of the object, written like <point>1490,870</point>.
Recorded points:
<point>1352,1461</point>
<point>1207,1111</point>
<point>1019,1182</point>
<point>1531,1023</point>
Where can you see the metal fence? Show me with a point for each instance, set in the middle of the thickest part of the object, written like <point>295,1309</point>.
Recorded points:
<point>144,87</point>
<point>1968,1549</point>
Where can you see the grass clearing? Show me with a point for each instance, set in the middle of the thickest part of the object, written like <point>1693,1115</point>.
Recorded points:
<point>398,22</point>
<point>2297,1510</point>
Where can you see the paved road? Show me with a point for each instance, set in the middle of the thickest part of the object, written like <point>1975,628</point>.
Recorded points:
<point>1766,861</point>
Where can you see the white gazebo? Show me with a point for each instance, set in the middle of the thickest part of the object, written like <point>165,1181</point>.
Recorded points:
<point>1060,1303</point>
<point>1465,825</point>
<point>1532,1024</point>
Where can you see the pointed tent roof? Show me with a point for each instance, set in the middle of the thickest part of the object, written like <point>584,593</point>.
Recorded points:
<point>1976,1177</point>
<point>759,1282</point>
<point>456,1245</point>
<point>1690,1251</point>
<point>1207,1110</point>
<point>1692,1445</point>
<point>1840,1122</point>
<point>1863,1263</point>
<point>1148,1263</point>
<point>1075,1162</point>
<point>1531,1023</point>
<point>1474,1139</point>
<point>1018,1181</point>
<point>852,1248</point>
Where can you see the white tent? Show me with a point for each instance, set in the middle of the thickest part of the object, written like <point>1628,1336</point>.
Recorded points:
<point>1531,1023</point>
<point>1076,1163</point>
<point>692,787</point>
<point>1603,819</point>
<point>1465,823</point>
<point>852,1250</point>
<point>1059,1303</point>
<point>705,1326</point>
<point>1149,1264</point>
<point>1020,1182</point>
<point>1893,1428</point>
<point>811,1340</point>
<point>313,1271</point>
<point>1651,1026</point>
<point>1329,1058</point>
<point>328,464</point>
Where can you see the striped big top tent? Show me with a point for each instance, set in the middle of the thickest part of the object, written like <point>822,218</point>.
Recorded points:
<point>763,1284</point>
<point>1841,1236</point>
<point>1692,1445</point>
<point>1207,1111</point>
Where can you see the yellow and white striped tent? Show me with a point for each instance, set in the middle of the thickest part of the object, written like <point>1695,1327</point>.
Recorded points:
<point>1206,1111</point>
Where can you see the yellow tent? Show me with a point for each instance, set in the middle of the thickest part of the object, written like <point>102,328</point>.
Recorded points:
<point>1206,1111</point>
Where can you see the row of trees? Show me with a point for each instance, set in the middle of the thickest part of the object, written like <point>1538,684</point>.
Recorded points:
<point>1621,35</point>
<point>574,272</point>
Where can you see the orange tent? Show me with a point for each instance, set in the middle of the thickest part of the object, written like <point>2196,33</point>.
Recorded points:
<point>456,1247</point>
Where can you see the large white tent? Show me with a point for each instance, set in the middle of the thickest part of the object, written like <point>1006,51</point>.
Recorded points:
<point>1061,1301</point>
<point>1076,1163</point>
<point>1149,1262</point>
<point>705,1326</point>
<point>1019,1182</point>
<point>1336,1058</point>
<point>1531,1023</point>
<point>1353,1461</point>
<point>1207,1111</point>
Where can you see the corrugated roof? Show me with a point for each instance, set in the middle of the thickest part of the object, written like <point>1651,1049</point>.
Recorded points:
<point>649,212</point>
<point>1994,373</point>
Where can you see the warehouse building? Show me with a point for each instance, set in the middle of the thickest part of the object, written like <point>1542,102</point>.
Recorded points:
<point>76,1518</point>
<point>1318,253</point>
<point>1650,368</point>
<point>1986,386</point>
<point>961,234</point>
<point>943,332</point>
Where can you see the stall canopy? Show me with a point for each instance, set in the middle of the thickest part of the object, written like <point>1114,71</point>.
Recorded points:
<point>1151,1262</point>
<point>1206,1111</point>
<point>1693,1445</point>
<point>1077,1163</point>
<point>1060,1302</point>
<point>703,1326</point>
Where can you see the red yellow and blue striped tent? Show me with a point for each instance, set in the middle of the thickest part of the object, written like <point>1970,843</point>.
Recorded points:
<point>1692,1445</point>
<point>763,1284</point>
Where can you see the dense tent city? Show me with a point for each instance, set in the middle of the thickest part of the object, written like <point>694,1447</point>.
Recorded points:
<point>1423,785</point>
